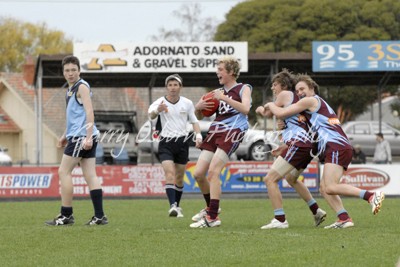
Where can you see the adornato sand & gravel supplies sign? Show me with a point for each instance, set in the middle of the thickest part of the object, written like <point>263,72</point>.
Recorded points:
<point>158,57</point>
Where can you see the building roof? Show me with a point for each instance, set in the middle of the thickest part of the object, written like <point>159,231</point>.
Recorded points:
<point>261,67</point>
<point>7,125</point>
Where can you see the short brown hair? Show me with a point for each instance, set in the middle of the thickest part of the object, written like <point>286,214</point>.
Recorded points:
<point>71,59</point>
<point>286,79</point>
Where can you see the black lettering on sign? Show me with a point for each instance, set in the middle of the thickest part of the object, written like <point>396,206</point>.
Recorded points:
<point>203,63</point>
<point>219,50</point>
<point>165,63</point>
<point>166,51</point>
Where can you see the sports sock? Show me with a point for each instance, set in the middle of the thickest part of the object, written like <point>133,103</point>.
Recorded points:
<point>313,205</point>
<point>170,190</point>
<point>66,211</point>
<point>207,198</point>
<point>97,200</point>
<point>280,215</point>
<point>214,206</point>
<point>366,195</point>
<point>343,215</point>
<point>178,194</point>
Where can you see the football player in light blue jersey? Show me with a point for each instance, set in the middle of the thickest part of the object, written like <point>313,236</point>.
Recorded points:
<point>80,142</point>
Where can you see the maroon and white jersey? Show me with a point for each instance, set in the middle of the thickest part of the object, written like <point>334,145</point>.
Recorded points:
<point>297,131</point>
<point>227,117</point>
<point>326,124</point>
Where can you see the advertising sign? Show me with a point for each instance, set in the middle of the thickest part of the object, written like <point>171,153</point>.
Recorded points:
<point>248,177</point>
<point>147,180</point>
<point>124,181</point>
<point>356,56</point>
<point>158,57</point>
<point>373,177</point>
<point>28,182</point>
<point>138,180</point>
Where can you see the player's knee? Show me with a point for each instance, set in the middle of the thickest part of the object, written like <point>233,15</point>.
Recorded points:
<point>267,180</point>
<point>169,178</point>
<point>212,175</point>
<point>179,180</point>
<point>291,180</point>
<point>271,178</point>
<point>62,173</point>
<point>330,190</point>
<point>327,189</point>
<point>291,183</point>
<point>199,177</point>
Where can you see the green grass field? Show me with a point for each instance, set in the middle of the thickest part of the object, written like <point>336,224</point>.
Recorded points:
<point>141,234</point>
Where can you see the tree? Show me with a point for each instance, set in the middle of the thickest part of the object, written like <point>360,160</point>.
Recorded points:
<point>20,39</point>
<point>292,25</point>
<point>197,28</point>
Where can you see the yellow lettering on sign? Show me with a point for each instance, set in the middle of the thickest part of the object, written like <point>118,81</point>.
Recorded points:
<point>94,65</point>
<point>392,49</point>
<point>378,51</point>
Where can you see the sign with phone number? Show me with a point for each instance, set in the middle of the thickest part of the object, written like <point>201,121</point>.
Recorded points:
<point>352,56</point>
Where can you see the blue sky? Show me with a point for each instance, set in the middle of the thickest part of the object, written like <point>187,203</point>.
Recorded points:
<point>93,21</point>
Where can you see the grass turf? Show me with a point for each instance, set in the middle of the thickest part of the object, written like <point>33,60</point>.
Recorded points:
<point>140,233</point>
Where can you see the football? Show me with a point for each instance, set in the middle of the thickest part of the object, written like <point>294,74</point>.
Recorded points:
<point>209,99</point>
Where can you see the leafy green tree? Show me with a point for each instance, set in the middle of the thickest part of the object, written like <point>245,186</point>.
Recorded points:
<point>292,25</point>
<point>20,39</point>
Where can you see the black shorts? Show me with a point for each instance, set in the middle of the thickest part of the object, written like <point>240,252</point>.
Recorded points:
<point>74,148</point>
<point>175,149</point>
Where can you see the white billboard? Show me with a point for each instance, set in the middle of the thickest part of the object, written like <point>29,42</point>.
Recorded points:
<point>158,57</point>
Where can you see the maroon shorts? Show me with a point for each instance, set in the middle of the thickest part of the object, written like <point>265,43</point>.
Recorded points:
<point>340,157</point>
<point>228,141</point>
<point>298,157</point>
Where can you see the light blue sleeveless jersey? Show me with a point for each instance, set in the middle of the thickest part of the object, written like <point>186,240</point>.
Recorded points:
<point>76,115</point>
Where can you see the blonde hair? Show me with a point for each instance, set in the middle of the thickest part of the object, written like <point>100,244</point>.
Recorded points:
<point>309,81</point>
<point>231,64</point>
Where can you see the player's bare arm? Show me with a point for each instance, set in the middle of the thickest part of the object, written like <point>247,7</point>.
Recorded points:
<point>62,141</point>
<point>197,132</point>
<point>84,95</point>
<point>162,107</point>
<point>282,99</point>
<point>243,107</point>
<point>307,103</point>
<point>262,111</point>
